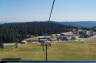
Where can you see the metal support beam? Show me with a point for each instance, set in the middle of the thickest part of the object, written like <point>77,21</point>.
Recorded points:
<point>46,52</point>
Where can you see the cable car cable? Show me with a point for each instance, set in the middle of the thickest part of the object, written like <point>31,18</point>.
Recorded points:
<point>51,10</point>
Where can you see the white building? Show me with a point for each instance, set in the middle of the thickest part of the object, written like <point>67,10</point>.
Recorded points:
<point>65,36</point>
<point>24,42</point>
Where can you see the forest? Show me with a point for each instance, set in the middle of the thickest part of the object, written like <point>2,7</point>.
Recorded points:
<point>16,32</point>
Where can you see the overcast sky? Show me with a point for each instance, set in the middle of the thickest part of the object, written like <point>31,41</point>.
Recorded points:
<point>38,10</point>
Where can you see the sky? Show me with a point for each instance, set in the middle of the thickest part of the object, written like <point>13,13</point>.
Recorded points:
<point>38,10</point>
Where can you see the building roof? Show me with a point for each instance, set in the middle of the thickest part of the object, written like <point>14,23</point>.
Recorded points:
<point>67,33</point>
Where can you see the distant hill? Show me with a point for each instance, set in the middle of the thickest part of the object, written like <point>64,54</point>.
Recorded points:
<point>15,32</point>
<point>85,24</point>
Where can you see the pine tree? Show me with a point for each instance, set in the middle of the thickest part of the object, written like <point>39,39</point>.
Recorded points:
<point>1,44</point>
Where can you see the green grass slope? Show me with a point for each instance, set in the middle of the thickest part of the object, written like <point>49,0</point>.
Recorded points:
<point>59,51</point>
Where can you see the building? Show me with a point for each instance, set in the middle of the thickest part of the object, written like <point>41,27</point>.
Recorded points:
<point>65,36</point>
<point>24,42</point>
<point>85,33</point>
<point>8,44</point>
<point>44,39</point>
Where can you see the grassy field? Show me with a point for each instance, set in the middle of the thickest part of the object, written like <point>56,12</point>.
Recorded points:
<point>66,51</point>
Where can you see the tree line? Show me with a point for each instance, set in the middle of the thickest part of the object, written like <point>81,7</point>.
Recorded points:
<point>16,32</point>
